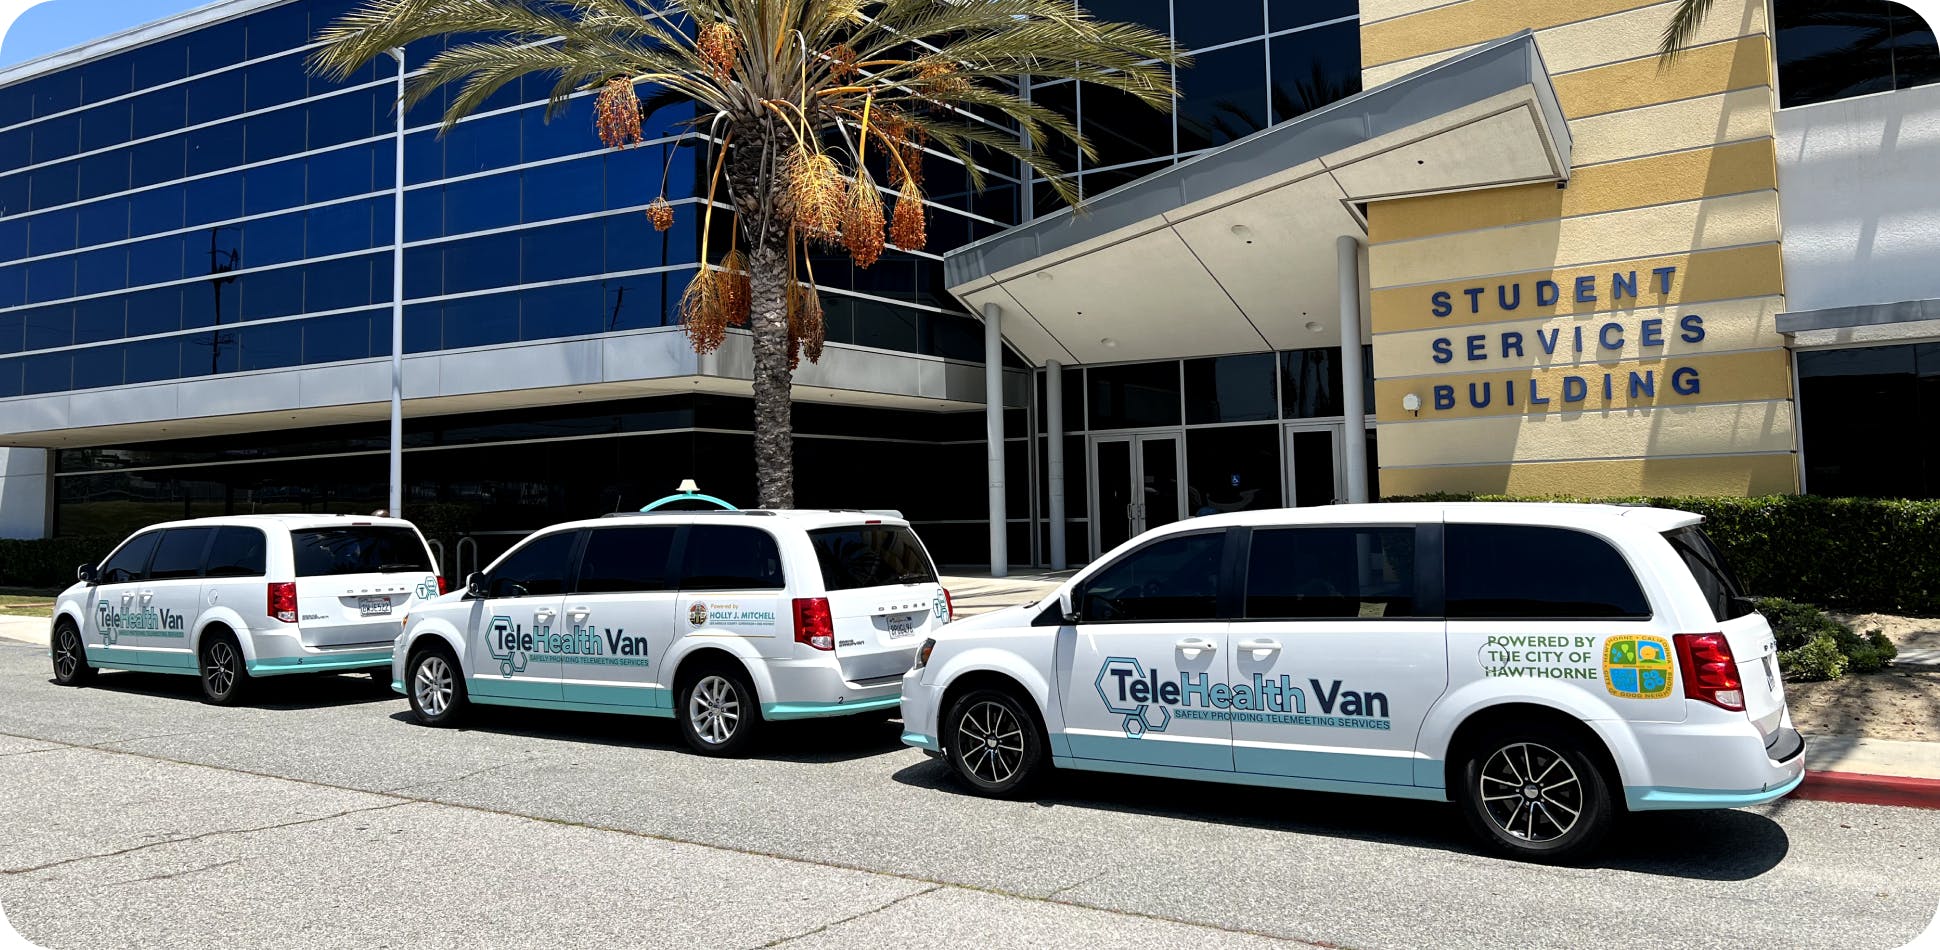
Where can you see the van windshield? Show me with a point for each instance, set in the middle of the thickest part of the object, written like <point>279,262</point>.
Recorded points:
<point>1708,568</point>
<point>871,556</point>
<point>358,549</point>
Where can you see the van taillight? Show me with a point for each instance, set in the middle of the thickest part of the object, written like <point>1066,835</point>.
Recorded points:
<point>949,607</point>
<point>441,584</point>
<point>282,601</point>
<point>813,623</point>
<point>1710,672</point>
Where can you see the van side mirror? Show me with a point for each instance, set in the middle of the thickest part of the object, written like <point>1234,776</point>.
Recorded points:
<point>84,573</point>
<point>1066,609</point>
<point>475,585</point>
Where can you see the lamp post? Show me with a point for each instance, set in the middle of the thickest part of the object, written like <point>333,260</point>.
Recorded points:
<point>397,302</point>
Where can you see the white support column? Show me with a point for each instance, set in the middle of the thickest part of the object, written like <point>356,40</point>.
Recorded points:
<point>993,410</point>
<point>397,300</point>
<point>1054,457</point>
<point>1353,394</point>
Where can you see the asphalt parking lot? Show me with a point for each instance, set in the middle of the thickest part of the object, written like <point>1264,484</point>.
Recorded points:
<point>136,815</point>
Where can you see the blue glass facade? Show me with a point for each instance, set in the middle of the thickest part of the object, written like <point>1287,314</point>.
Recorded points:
<point>201,205</point>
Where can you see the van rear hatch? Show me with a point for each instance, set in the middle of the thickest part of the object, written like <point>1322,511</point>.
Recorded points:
<point>883,596</point>
<point>1753,647</point>
<point>354,582</point>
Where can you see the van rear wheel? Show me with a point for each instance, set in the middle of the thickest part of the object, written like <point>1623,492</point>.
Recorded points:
<point>225,677</point>
<point>1535,793</point>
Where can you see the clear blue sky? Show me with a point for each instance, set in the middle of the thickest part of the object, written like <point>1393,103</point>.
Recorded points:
<point>55,25</point>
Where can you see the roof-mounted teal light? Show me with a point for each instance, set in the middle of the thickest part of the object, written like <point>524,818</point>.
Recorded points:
<point>689,491</point>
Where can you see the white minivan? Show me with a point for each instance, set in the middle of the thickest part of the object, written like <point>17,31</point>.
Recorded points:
<point>720,620</point>
<point>236,598</point>
<point>1545,666</point>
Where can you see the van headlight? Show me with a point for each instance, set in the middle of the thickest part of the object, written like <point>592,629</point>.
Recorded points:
<point>923,653</point>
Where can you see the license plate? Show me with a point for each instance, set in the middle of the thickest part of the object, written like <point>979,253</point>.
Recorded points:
<point>374,606</point>
<point>900,625</point>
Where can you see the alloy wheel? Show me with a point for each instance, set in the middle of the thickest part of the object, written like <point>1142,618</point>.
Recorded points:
<point>990,742</point>
<point>714,708</point>
<point>1530,792</point>
<point>432,685</point>
<point>67,654</point>
<point>221,671</point>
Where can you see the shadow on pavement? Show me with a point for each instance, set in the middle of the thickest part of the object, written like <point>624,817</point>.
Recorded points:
<point>1700,845</point>
<point>835,739</point>
<point>279,693</point>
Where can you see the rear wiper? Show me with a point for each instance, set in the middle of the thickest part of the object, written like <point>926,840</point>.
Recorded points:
<point>395,568</point>
<point>916,578</point>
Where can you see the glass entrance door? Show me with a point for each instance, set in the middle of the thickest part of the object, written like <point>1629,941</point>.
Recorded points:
<point>1316,473</point>
<point>1136,487</point>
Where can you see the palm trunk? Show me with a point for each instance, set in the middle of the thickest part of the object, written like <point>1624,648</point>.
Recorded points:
<point>774,431</point>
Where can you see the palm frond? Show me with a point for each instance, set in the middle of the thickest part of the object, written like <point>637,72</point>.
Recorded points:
<point>1685,21</point>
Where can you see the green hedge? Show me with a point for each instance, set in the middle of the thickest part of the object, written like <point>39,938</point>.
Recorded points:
<point>1863,554</point>
<point>1813,646</point>
<point>48,564</point>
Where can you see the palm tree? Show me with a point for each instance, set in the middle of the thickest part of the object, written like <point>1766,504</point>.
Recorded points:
<point>792,96</point>
<point>1684,24</point>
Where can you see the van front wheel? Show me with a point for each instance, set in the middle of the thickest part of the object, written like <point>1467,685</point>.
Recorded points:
<point>719,712</point>
<point>1535,794</point>
<point>994,743</point>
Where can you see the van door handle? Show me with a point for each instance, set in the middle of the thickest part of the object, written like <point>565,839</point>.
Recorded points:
<point>1259,646</point>
<point>1197,644</point>
<point>147,596</point>
<point>543,615</point>
<point>578,613</point>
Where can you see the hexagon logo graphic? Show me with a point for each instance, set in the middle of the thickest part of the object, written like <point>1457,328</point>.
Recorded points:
<point>1139,718</point>
<point>510,660</point>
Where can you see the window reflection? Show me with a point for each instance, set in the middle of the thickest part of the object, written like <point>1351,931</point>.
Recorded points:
<point>1835,50</point>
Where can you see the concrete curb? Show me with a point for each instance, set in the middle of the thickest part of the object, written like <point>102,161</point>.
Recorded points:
<point>1859,788</point>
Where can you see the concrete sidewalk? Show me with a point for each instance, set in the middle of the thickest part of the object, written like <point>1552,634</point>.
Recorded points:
<point>973,594</point>
<point>26,629</point>
<point>1871,771</point>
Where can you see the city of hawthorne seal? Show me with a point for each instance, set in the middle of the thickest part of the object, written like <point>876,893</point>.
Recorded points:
<point>697,614</point>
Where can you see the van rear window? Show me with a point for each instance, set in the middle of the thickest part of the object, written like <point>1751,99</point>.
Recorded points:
<point>871,556</point>
<point>1714,577</point>
<point>358,549</point>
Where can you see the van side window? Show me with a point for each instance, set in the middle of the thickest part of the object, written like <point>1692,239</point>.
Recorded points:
<point>1176,578</point>
<point>626,559</point>
<point>729,557</point>
<point>129,563</point>
<point>180,554</point>
<point>1708,568</point>
<point>536,570</point>
<point>236,552</point>
<point>1530,572</point>
<point>1331,573</point>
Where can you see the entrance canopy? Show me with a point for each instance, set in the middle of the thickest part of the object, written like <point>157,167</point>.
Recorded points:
<point>1234,251</point>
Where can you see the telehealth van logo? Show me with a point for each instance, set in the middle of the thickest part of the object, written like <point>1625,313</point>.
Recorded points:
<point>514,647</point>
<point>1150,704</point>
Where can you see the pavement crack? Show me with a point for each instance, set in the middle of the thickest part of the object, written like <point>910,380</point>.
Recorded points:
<point>858,915</point>
<point>51,748</point>
<point>174,874</point>
<point>1055,895</point>
<point>203,835</point>
<point>468,775</point>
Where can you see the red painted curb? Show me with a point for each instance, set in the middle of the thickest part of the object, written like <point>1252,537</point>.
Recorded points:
<point>1861,789</point>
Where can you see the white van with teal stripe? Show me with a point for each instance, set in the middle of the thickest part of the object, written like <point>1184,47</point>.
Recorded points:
<point>1547,667</point>
<point>230,600</point>
<point>720,620</point>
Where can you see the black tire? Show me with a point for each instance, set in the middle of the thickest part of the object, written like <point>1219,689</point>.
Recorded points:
<point>993,740</point>
<point>224,674</point>
<point>435,684</point>
<point>718,710</point>
<point>70,655</point>
<point>1535,793</point>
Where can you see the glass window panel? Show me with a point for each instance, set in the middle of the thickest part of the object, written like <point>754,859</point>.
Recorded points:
<point>1830,52</point>
<point>478,144</point>
<point>155,260</point>
<point>1287,14</point>
<point>274,135</point>
<point>155,311</point>
<point>633,175</point>
<point>481,321</point>
<point>1234,21</point>
<point>1310,383</point>
<point>1234,468</point>
<point>340,174</point>
<point>215,96</point>
<point>1916,56</point>
<point>564,310</point>
<point>57,92</point>
<point>158,63</point>
<point>1176,578</point>
<point>632,243</point>
<point>13,238</point>
<point>104,174</point>
<point>619,560</point>
<point>1222,96</point>
<point>636,302</point>
<point>423,329</point>
<point>1156,14</point>
<point>105,79</point>
<point>564,135</point>
<point>47,373</point>
<point>562,251</point>
<point>210,353</point>
<point>10,378</point>
<point>12,332</point>
<point>16,103</point>
<point>424,271</point>
<point>16,148</point>
<point>482,203</point>
<point>1598,584</point>
<point>564,189</point>
<point>339,228</point>
<point>49,327</point>
<point>150,361</point>
<point>1849,444</point>
<point>106,125</point>
<point>273,186</point>
<point>1063,99</point>
<point>1331,573</point>
<point>1315,67</point>
<point>13,288</point>
<point>424,213</point>
<point>54,185</point>
<point>884,326</point>
<point>237,551</point>
<point>51,279</point>
<point>212,47</point>
<point>215,147</point>
<point>13,193</point>
<point>98,366</point>
<point>335,285</point>
<point>478,263</point>
<point>269,345</point>
<point>216,198</point>
<point>52,232</point>
<point>424,157</point>
<point>727,557</point>
<point>155,210</point>
<point>537,569</point>
<point>345,336</point>
<point>1097,183</point>
<point>348,118</point>
<point>1133,395</point>
<point>161,160</point>
<point>1230,389</point>
<point>952,337</point>
<point>1122,128</point>
<point>276,240</point>
<point>278,28</point>
<point>103,318</point>
<point>272,293</point>
<point>274,83</point>
<point>213,301</point>
<point>163,110</point>
<point>102,270</point>
<point>56,138</point>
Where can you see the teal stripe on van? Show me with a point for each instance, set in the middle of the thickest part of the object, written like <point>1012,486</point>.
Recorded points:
<point>277,665</point>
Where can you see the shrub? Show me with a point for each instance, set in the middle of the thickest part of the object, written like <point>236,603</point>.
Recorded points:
<point>48,564</point>
<point>1862,554</point>
<point>1819,659</point>
<point>1814,646</point>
